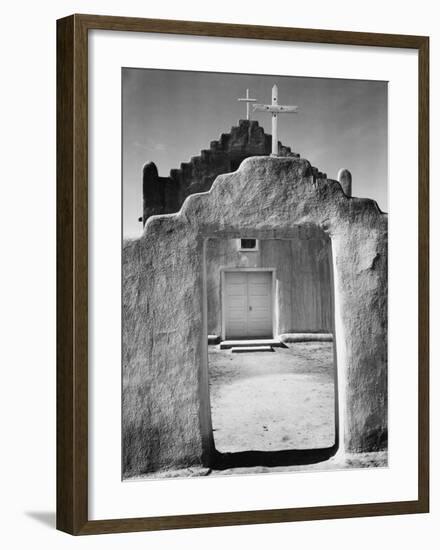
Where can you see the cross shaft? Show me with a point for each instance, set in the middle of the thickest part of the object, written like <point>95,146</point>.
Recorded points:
<point>275,110</point>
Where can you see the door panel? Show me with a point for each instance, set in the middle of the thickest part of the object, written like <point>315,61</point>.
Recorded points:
<point>248,304</point>
<point>236,304</point>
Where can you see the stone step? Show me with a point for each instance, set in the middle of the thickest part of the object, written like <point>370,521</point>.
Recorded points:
<point>226,344</point>
<point>247,349</point>
<point>213,339</point>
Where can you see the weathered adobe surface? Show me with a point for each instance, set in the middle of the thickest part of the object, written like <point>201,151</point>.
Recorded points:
<point>164,195</point>
<point>166,413</point>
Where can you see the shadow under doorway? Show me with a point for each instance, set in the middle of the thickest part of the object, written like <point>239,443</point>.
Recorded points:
<point>277,406</point>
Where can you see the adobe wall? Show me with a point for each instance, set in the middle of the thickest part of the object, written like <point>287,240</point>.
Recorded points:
<point>164,195</point>
<point>166,413</point>
<point>303,278</point>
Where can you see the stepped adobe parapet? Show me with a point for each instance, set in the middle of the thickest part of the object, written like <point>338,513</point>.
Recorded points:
<point>164,195</point>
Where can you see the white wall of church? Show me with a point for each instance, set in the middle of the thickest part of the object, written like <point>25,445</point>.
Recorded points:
<point>302,266</point>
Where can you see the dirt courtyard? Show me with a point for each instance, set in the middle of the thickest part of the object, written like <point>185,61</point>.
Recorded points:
<point>270,401</point>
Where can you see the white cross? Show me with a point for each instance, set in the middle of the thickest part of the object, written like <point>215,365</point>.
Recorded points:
<point>248,100</point>
<point>276,110</point>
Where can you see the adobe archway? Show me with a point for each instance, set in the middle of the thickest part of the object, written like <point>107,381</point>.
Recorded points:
<point>166,416</point>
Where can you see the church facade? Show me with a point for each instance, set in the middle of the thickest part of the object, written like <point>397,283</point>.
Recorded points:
<point>256,288</point>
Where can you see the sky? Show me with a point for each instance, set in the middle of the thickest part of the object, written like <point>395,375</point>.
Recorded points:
<point>170,116</point>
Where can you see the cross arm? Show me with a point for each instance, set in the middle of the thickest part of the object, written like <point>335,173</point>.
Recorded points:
<point>290,109</point>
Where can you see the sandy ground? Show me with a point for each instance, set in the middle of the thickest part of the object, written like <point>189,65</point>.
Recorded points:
<point>272,401</point>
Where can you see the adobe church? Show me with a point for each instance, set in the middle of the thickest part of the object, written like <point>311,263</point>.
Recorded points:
<point>255,288</point>
<point>245,243</point>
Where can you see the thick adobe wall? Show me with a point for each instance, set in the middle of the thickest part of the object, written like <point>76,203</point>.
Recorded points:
<point>166,413</point>
<point>164,195</point>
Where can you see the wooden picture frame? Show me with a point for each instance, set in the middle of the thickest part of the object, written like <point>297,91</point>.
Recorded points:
<point>72,273</point>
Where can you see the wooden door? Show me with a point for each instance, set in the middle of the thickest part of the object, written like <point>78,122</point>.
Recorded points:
<point>248,304</point>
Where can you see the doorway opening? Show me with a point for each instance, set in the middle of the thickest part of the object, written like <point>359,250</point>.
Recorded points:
<point>271,362</point>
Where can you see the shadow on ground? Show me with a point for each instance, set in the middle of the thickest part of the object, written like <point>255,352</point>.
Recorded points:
<point>246,459</point>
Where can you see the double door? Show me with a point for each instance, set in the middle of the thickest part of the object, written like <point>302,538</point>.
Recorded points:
<point>248,304</point>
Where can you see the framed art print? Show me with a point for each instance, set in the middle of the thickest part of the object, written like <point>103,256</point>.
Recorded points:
<point>242,274</point>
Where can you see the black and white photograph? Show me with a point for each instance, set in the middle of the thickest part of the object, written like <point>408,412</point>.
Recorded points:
<point>254,274</point>
<point>219,277</point>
